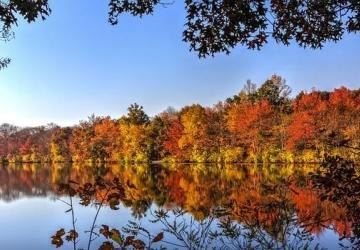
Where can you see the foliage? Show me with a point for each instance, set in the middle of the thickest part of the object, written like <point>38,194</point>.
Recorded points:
<point>266,213</point>
<point>100,193</point>
<point>4,62</point>
<point>136,115</point>
<point>11,10</point>
<point>268,203</point>
<point>260,124</point>
<point>339,181</point>
<point>218,26</point>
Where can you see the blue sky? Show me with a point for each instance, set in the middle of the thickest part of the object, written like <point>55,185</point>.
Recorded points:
<point>75,64</point>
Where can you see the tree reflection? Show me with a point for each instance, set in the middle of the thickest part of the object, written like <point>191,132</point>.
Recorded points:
<point>338,181</point>
<point>265,206</point>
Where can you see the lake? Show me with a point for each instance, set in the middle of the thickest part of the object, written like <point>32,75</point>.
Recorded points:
<point>197,206</point>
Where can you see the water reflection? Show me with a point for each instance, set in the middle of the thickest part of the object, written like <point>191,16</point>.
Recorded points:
<point>273,207</point>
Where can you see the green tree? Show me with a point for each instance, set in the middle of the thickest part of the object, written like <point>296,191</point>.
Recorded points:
<point>276,91</point>
<point>136,115</point>
<point>157,136</point>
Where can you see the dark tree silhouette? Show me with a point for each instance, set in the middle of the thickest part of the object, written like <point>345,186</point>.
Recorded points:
<point>214,26</point>
<point>11,10</point>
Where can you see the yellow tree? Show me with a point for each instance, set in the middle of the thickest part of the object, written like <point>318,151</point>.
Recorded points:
<point>60,151</point>
<point>134,133</point>
<point>194,138</point>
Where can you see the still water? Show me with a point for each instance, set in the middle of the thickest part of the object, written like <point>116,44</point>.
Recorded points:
<point>186,206</point>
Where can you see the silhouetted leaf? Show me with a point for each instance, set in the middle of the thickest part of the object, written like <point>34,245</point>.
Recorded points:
<point>158,237</point>
<point>105,231</point>
<point>115,236</point>
<point>72,235</point>
<point>57,238</point>
<point>128,240</point>
<point>107,246</point>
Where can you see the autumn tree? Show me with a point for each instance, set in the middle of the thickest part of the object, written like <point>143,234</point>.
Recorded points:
<point>218,136</point>
<point>134,131</point>
<point>308,123</point>
<point>250,125</point>
<point>171,142</point>
<point>344,107</point>
<point>343,122</point>
<point>259,124</point>
<point>157,135</point>
<point>81,139</point>
<point>196,133</point>
<point>33,144</point>
<point>194,139</point>
<point>6,133</point>
<point>273,96</point>
<point>60,149</point>
<point>277,93</point>
<point>104,144</point>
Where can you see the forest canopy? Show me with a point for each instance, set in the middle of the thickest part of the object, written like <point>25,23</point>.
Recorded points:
<point>259,124</point>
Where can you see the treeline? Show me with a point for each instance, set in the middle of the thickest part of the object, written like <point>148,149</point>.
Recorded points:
<point>260,124</point>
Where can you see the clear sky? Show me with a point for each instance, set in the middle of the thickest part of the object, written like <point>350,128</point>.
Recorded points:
<point>75,64</point>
